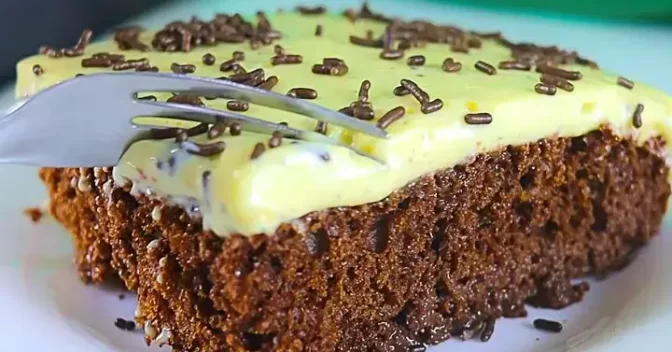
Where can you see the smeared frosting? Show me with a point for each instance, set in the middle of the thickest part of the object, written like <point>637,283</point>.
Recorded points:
<point>237,194</point>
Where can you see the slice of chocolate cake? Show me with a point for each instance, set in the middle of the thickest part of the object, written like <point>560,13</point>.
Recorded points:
<point>510,169</point>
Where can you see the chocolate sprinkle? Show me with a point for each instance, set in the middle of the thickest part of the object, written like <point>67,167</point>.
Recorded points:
<point>238,55</point>
<point>637,116</point>
<point>279,50</point>
<point>114,58</point>
<point>624,82</point>
<point>147,97</point>
<point>318,30</point>
<point>302,93</point>
<point>556,81</point>
<point>546,89</point>
<point>391,54</point>
<point>205,150</point>
<point>547,325</point>
<point>362,112</point>
<point>123,324</point>
<point>305,10</point>
<point>481,118</point>
<point>431,106</point>
<point>228,65</point>
<point>286,59</point>
<point>485,68</point>
<point>391,116</point>
<point>186,100</point>
<point>514,65</point>
<point>237,105</point>
<point>252,78</point>
<point>37,70</point>
<point>419,94</point>
<point>259,149</point>
<point>554,71</point>
<point>130,64</point>
<point>269,83</point>
<point>127,38</point>
<point>416,60</point>
<point>235,129</point>
<point>450,65</point>
<point>217,129</point>
<point>488,330</point>
<point>321,127</point>
<point>208,59</point>
<point>182,68</point>
<point>364,88</point>
<point>400,91</point>
<point>333,61</point>
<point>96,62</point>
<point>77,50</point>
<point>371,43</point>
<point>474,43</point>
<point>276,140</point>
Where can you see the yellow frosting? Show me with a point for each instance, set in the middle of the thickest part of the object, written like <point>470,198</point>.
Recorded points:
<point>253,196</point>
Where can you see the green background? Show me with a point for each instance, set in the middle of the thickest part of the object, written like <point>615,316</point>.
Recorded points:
<point>639,10</point>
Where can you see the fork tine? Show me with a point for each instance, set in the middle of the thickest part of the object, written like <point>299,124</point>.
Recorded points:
<point>251,124</point>
<point>167,82</point>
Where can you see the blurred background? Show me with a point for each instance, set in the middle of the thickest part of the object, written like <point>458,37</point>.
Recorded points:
<point>27,24</point>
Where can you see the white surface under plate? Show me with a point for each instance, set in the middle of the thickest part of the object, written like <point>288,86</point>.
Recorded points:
<point>44,307</point>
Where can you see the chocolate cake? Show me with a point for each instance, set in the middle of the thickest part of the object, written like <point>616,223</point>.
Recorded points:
<point>509,171</point>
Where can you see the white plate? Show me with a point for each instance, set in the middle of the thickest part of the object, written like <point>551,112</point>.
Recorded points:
<point>45,308</point>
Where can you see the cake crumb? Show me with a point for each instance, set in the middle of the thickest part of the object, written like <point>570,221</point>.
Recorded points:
<point>150,330</point>
<point>164,337</point>
<point>35,214</point>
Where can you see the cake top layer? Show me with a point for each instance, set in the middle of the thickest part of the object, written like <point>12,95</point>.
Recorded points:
<point>443,94</point>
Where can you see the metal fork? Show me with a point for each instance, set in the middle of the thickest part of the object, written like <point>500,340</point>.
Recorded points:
<point>87,121</point>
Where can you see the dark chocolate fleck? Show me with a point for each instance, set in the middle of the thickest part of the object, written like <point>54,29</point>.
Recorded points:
<point>547,325</point>
<point>123,324</point>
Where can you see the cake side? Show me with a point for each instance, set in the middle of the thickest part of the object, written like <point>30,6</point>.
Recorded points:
<point>463,93</point>
<point>450,251</point>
